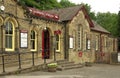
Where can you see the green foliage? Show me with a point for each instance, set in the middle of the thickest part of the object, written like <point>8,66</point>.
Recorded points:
<point>91,14</point>
<point>49,4</point>
<point>108,21</point>
<point>42,4</point>
<point>30,3</point>
<point>66,3</point>
<point>118,24</point>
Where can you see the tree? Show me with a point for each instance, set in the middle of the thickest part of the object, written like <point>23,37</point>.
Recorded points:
<point>49,4</point>
<point>118,25</point>
<point>42,4</point>
<point>90,13</point>
<point>118,29</point>
<point>30,3</point>
<point>66,3</point>
<point>108,21</point>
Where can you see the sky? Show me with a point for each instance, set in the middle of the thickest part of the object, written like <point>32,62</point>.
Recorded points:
<point>113,6</point>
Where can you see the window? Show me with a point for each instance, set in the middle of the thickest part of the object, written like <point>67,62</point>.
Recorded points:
<point>33,41</point>
<point>88,44</point>
<point>85,41</point>
<point>9,36</point>
<point>74,40</point>
<point>57,43</point>
<point>97,43</point>
<point>88,41</point>
<point>79,34</point>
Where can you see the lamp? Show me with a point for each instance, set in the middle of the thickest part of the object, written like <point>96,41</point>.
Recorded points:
<point>45,28</point>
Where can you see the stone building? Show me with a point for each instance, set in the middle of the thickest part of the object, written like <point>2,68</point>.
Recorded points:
<point>86,41</point>
<point>67,33</point>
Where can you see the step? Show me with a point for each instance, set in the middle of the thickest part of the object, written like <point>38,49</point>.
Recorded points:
<point>69,64</point>
<point>69,67</point>
<point>66,63</point>
<point>61,61</point>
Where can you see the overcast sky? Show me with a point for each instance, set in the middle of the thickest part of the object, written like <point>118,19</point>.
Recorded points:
<point>112,6</point>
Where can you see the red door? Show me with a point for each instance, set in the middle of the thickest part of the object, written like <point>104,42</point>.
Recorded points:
<point>45,44</point>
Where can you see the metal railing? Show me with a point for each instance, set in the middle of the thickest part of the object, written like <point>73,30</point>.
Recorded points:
<point>18,59</point>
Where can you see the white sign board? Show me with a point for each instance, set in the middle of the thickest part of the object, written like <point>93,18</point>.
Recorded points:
<point>71,42</point>
<point>23,37</point>
<point>118,57</point>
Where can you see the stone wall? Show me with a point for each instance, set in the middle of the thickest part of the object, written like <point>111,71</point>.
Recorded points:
<point>16,14</point>
<point>105,45</point>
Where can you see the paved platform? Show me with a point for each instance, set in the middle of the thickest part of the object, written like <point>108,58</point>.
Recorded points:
<point>95,71</point>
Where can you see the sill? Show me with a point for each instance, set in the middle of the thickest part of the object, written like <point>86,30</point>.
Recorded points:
<point>9,50</point>
<point>33,50</point>
<point>57,51</point>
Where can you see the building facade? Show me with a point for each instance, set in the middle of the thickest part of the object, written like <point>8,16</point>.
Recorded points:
<point>66,33</point>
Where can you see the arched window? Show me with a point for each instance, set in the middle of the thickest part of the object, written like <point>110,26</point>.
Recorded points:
<point>9,36</point>
<point>79,36</point>
<point>97,43</point>
<point>57,43</point>
<point>33,41</point>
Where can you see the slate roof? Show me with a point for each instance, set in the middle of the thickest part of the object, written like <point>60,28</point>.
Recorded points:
<point>99,28</point>
<point>66,14</point>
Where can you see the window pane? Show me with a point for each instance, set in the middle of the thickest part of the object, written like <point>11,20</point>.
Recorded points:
<point>57,37</point>
<point>32,39</point>
<point>57,42</point>
<point>79,37</point>
<point>9,29</point>
<point>8,42</point>
<point>32,35</point>
<point>32,44</point>
<point>88,44</point>
<point>57,46</point>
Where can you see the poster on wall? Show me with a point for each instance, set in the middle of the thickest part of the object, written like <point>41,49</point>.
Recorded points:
<point>71,42</point>
<point>23,39</point>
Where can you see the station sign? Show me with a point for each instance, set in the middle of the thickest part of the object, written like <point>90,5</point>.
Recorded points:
<point>43,14</point>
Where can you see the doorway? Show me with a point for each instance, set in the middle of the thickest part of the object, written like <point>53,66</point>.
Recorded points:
<point>45,44</point>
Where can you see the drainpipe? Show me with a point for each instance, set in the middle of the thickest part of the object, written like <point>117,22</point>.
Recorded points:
<point>2,38</point>
<point>100,42</point>
<point>101,47</point>
<point>66,54</point>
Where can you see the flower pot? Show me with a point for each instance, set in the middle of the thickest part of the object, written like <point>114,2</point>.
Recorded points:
<point>52,69</point>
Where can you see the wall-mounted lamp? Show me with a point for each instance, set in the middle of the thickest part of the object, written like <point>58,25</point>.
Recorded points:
<point>45,28</point>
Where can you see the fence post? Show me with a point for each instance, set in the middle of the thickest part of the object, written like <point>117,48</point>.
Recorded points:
<point>54,54</point>
<point>3,62</point>
<point>33,58</point>
<point>19,59</point>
